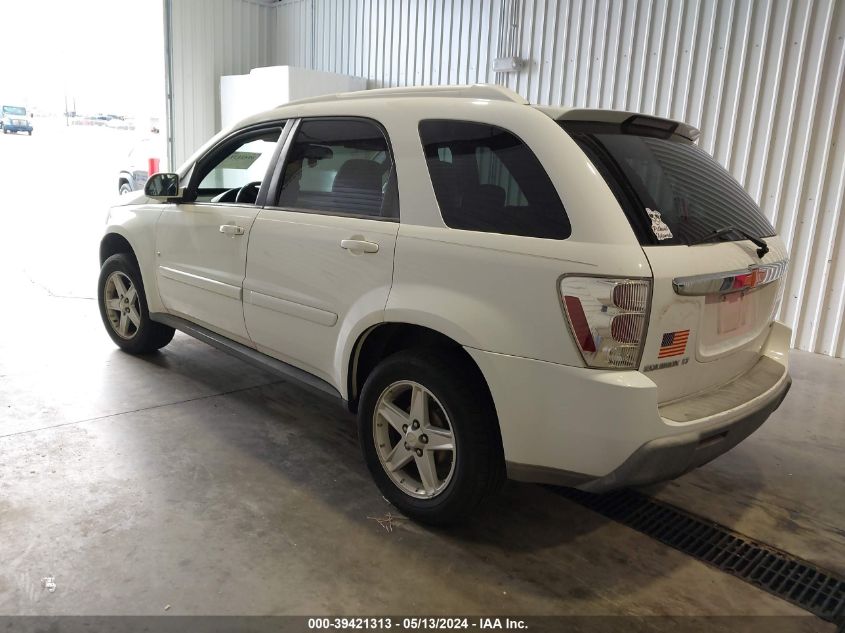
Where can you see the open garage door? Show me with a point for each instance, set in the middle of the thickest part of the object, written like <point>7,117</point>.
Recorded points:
<point>83,120</point>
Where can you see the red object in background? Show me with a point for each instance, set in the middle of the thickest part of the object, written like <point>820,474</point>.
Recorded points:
<point>152,166</point>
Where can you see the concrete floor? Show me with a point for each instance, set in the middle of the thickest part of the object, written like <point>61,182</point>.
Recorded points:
<point>192,480</point>
<point>189,479</point>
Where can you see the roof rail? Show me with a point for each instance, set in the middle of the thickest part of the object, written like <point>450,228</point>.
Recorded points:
<point>474,91</point>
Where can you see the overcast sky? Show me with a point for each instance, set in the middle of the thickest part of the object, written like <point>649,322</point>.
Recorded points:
<point>109,54</point>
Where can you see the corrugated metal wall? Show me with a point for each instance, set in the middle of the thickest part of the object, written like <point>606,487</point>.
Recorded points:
<point>209,39</point>
<point>762,79</point>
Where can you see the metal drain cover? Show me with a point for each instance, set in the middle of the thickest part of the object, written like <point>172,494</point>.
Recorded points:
<point>802,583</point>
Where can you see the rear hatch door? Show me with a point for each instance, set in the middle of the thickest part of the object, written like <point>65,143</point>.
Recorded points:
<point>716,292</point>
<point>712,309</point>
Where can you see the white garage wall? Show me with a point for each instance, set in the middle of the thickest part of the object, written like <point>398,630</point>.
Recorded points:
<point>209,39</point>
<point>762,79</point>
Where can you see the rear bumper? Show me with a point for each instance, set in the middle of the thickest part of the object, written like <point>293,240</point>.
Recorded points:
<point>600,430</point>
<point>669,457</point>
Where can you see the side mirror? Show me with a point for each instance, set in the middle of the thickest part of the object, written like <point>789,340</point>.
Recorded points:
<point>163,187</point>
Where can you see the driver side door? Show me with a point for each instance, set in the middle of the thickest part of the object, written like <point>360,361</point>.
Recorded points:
<point>201,242</point>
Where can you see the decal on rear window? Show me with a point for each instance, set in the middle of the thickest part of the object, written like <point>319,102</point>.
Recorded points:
<point>658,226</point>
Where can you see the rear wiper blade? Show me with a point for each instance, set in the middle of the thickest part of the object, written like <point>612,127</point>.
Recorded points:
<point>762,247</point>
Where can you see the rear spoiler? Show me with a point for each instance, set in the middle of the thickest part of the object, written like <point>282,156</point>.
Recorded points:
<point>630,120</point>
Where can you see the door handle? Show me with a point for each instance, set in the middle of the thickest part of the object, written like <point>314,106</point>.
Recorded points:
<point>359,246</point>
<point>231,229</point>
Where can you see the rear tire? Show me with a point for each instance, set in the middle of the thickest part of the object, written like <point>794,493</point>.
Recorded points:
<point>123,308</point>
<point>453,436</point>
<point>124,188</point>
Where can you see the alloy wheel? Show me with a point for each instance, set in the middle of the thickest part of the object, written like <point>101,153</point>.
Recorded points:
<point>414,439</point>
<point>122,303</point>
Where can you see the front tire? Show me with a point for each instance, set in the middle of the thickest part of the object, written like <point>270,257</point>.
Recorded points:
<point>429,435</point>
<point>123,308</point>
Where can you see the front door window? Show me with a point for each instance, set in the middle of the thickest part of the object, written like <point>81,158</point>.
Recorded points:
<point>235,174</point>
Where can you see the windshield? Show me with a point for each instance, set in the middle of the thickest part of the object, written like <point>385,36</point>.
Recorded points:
<point>672,191</point>
<point>14,110</point>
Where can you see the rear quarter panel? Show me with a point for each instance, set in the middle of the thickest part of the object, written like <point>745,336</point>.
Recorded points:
<point>491,291</point>
<point>495,292</point>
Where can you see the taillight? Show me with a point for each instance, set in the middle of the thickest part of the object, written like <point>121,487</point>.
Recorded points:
<point>607,318</point>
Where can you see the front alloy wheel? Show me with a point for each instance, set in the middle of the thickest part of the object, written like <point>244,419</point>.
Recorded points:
<point>123,307</point>
<point>121,302</point>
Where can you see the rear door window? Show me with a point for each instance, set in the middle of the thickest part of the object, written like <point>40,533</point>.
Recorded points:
<point>340,167</point>
<point>673,192</point>
<point>486,179</point>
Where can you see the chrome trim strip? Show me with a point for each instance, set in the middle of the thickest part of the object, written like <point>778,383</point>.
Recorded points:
<point>723,283</point>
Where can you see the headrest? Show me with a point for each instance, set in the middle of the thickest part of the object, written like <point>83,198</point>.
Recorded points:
<point>360,174</point>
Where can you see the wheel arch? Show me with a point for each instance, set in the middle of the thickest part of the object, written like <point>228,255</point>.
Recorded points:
<point>140,248</point>
<point>384,339</point>
<point>113,243</point>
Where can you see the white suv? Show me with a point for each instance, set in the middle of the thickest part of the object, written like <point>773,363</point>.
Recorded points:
<point>556,295</point>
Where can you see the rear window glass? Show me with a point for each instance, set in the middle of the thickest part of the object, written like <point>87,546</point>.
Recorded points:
<point>488,180</point>
<point>673,192</point>
<point>340,166</point>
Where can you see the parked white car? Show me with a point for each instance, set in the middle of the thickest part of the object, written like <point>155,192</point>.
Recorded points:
<point>556,295</point>
<point>144,155</point>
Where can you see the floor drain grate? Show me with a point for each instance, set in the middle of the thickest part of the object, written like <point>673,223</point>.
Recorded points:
<point>816,590</point>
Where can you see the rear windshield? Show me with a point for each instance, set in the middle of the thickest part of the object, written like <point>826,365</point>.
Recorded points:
<point>14,110</point>
<point>672,191</point>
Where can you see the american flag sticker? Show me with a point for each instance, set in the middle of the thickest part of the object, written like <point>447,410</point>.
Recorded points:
<point>673,344</point>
